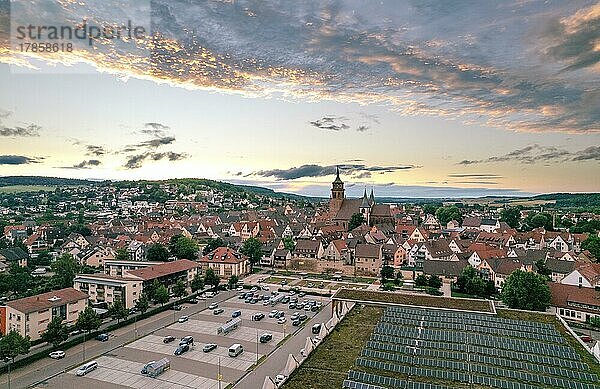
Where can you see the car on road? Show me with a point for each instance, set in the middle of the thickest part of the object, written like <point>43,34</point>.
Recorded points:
<point>213,306</point>
<point>193,301</point>
<point>210,294</point>
<point>281,320</point>
<point>218,311</point>
<point>209,347</point>
<point>177,307</point>
<point>239,288</point>
<point>183,319</point>
<point>84,369</point>
<point>264,338</point>
<point>186,340</point>
<point>316,328</point>
<point>258,316</point>
<point>235,350</point>
<point>168,339</point>
<point>236,313</point>
<point>586,338</point>
<point>181,349</point>
<point>102,337</point>
<point>279,378</point>
<point>75,332</point>
<point>57,354</point>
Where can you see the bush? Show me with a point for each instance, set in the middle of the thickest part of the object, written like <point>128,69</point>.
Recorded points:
<point>433,291</point>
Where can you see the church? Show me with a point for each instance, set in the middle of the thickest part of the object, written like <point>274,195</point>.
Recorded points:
<point>341,209</point>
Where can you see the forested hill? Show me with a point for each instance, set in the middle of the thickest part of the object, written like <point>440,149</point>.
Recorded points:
<point>572,200</point>
<point>42,181</point>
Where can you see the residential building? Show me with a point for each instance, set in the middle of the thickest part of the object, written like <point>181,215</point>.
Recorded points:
<point>226,262</point>
<point>106,288</point>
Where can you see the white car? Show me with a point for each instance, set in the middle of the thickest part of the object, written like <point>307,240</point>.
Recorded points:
<point>57,354</point>
<point>279,378</point>
<point>213,306</point>
<point>183,319</point>
<point>281,320</point>
<point>273,313</point>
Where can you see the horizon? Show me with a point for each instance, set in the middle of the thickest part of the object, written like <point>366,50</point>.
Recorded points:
<point>416,100</point>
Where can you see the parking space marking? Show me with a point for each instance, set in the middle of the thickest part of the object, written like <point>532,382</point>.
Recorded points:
<point>244,333</point>
<point>127,373</point>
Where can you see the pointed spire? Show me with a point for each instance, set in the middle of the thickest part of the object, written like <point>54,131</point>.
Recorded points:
<point>337,175</point>
<point>372,197</point>
<point>365,200</point>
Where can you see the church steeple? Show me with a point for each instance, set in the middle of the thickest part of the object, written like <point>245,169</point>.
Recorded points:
<point>337,192</point>
<point>372,197</point>
<point>337,175</point>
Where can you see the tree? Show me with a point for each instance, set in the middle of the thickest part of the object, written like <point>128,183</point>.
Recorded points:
<point>142,304</point>
<point>14,344</point>
<point>536,220</point>
<point>212,279</point>
<point>65,268</point>
<point>421,280</point>
<point>470,282</point>
<point>356,220</point>
<point>387,273</point>
<point>542,268</point>
<point>158,253</point>
<point>122,255</point>
<point>183,247</point>
<point>56,332</point>
<point>179,289</point>
<point>525,290</point>
<point>511,216</point>
<point>288,243</point>
<point>161,295</point>
<point>151,289</point>
<point>435,282</point>
<point>233,280</point>
<point>430,208</point>
<point>213,244</point>
<point>252,248</point>
<point>88,320</point>
<point>197,283</point>
<point>592,244</point>
<point>449,213</point>
<point>118,310</point>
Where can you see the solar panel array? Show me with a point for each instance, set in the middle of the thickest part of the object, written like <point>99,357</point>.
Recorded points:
<point>422,345</point>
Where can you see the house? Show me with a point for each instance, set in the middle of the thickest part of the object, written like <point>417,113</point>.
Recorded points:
<point>447,270</point>
<point>308,248</point>
<point>471,223</point>
<point>489,225</point>
<point>167,273</point>
<point>368,258</point>
<point>337,250</point>
<point>15,233</point>
<point>586,275</point>
<point>559,268</point>
<point>226,262</point>
<point>30,316</point>
<point>104,288</point>
<point>136,250</point>
<point>410,232</point>
<point>36,242</point>
<point>497,270</point>
<point>281,258</point>
<point>575,303</point>
<point>96,256</point>
<point>115,267</point>
<point>480,251</point>
<point>495,239</point>
<point>395,255</point>
<point>14,255</point>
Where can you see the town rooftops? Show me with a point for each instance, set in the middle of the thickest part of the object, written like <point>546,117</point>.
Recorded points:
<point>47,300</point>
<point>224,255</point>
<point>368,250</point>
<point>570,296</point>
<point>13,254</point>
<point>164,269</point>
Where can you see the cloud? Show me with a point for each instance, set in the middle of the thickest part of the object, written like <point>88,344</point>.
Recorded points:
<point>157,142</point>
<point>536,153</point>
<point>18,160</point>
<point>332,123</point>
<point>155,129</point>
<point>590,153</point>
<point>136,161</point>
<point>474,176</point>
<point>30,130</point>
<point>356,170</point>
<point>98,151</point>
<point>362,128</point>
<point>86,164</point>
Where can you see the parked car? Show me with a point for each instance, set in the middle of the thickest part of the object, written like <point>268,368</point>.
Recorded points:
<point>235,350</point>
<point>280,314</point>
<point>301,294</point>
<point>168,339</point>
<point>281,320</point>
<point>316,328</point>
<point>258,316</point>
<point>273,313</point>
<point>183,319</point>
<point>302,317</point>
<point>264,338</point>
<point>102,337</point>
<point>236,313</point>
<point>279,378</point>
<point>292,306</point>
<point>586,338</point>
<point>213,306</point>
<point>296,322</point>
<point>193,301</point>
<point>177,307</point>
<point>84,369</point>
<point>285,299</point>
<point>181,349</point>
<point>209,347</point>
<point>186,340</point>
<point>218,311</point>
<point>146,366</point>
<point>57,354</point>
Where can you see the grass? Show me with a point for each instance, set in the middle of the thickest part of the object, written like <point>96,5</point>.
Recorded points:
<point>328,365</point>
<point>26,188</point>
<point>410,299</point>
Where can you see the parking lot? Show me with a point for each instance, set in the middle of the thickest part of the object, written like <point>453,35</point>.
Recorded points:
<point>194,368</point>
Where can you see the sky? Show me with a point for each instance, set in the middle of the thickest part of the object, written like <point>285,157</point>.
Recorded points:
<point>411,98</point>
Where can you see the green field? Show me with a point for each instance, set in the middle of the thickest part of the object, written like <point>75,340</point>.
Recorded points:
<point>26,188</point>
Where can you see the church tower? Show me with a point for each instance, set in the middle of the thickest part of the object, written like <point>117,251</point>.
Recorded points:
<point>337,193</point>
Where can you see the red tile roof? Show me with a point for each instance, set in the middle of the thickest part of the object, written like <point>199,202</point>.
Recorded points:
<point>563,294</point>
<point>47,300</point>
<point>164,269</point>
<point>223,255</point>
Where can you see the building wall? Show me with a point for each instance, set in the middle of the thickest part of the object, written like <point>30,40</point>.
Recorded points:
<point>100,291</point>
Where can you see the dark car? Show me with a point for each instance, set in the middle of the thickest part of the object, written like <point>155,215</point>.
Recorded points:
<point>302,317</point>
<point>236,313</point>
<point>209,347</point>
<point>181,349</point>
<point>292,306</point>
<point>264,338</point>
<point>102,337</point>
<point>193,301</point>
<point>258,316</point>
<point>186,340</point>
<point>177,307</point>
<point>316,328</point>
<point>168,339</point>
<point>296,322</point>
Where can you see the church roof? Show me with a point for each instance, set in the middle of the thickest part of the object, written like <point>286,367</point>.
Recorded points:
<point>349,207</point>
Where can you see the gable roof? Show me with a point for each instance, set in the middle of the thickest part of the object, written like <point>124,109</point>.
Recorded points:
<point>156,271</point>
<point>224,255</point>
<point>47,300</point>
<point>13,254</point>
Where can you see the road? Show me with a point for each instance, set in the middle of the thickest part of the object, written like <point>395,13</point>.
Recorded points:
<point>40,370</point>
<point>276,361</point>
